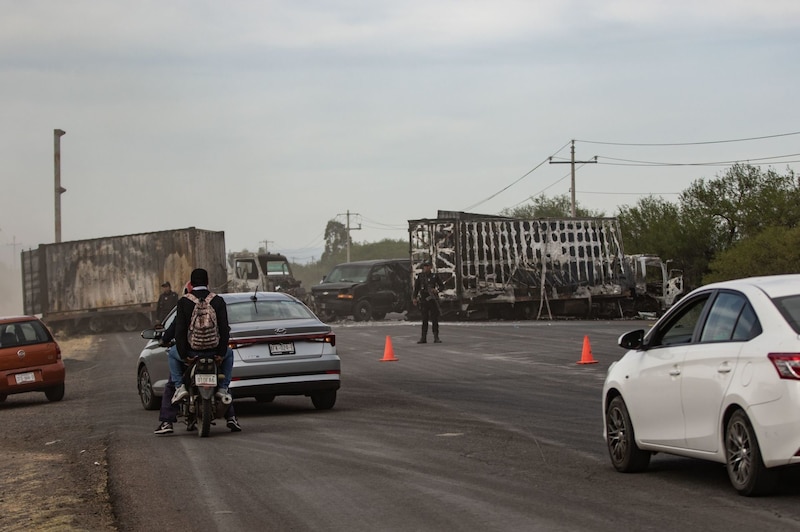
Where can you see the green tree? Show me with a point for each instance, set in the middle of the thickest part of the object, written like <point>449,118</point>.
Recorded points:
<point>383,249</point>
<point>555,207</point>
<point>658,227</point>
<point>336,238</point>
<point>774,251</point>
<point>743,202</point>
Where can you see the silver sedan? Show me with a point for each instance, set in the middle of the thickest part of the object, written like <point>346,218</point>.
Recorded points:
<point>279,348</point>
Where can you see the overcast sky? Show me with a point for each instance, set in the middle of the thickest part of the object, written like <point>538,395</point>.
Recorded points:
<point>266,119</point>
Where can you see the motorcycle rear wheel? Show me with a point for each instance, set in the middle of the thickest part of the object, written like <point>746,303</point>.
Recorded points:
<point>205,414</point>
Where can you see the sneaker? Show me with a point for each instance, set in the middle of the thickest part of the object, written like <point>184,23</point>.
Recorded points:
<point>437,341</point>
<point>191,425</point>
<point>222,393</point>
<point>233,424</point>
<point>422,341</point>
<point>180,393</point>
<point>164,428</point>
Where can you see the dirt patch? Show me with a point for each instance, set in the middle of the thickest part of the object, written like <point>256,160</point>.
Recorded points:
<point>78,347</point>
<point>54,475</point>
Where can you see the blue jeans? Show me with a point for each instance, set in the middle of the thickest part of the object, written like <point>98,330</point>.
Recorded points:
<point>177,366</point>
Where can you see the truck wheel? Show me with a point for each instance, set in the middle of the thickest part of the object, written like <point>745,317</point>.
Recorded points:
<point>362,311</point>
<point>131,322</point>
<point>97,324</point>
<point>326,317</point>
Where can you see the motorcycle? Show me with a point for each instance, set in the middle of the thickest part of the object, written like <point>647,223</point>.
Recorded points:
<point>201,407</point>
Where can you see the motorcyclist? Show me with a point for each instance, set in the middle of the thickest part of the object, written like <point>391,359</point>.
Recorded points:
<point>169,412</point>
<point>183,316</point>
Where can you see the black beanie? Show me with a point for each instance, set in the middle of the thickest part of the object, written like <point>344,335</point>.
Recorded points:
<point>199,277</point>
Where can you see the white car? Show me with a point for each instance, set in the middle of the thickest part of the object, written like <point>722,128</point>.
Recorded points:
<point>716,378</point>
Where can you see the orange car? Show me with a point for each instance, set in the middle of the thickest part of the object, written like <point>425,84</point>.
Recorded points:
<point>30,359</point>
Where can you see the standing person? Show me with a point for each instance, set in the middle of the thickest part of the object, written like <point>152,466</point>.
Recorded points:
<point>426,294</point>
<point>166,301</point>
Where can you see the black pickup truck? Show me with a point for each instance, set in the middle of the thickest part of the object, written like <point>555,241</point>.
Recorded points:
<point>366,290</point>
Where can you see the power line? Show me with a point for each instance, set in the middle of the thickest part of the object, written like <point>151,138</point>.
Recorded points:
<point>541,191</point>
<point>385,228</point>
<point>631,162</point>
<point>689,143</point>
<point>311,246</point>
<point>518,180</point>
<point>631,193</point>
<point>388,226</point>
<point>634,162</point>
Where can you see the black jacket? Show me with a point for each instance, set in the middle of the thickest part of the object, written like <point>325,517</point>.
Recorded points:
<point>184,316</point>
<point>424,282</point>
<point>165,304</point>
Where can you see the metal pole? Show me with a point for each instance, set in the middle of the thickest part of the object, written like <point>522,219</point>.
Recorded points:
<point>57,134</point>
<point>348,235</point>
<point>572,163</point>
<point>348,229</point>
<point>572,189</point>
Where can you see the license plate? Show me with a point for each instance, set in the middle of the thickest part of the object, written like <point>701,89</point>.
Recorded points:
<point>204,379</point>
<point>286,348</point>
<point>25,377</point>
<point>253,355</point>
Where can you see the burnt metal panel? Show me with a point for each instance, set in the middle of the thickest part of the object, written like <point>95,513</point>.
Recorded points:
<point>119,271</point>
<point>32,295</point>
<point>506,260</point>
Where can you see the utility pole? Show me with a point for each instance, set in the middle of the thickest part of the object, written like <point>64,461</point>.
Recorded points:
<point>57,134</point>
<point>348,229</point>
<point>266,244</point>
<point>14,245</point>
<point>572,162</point>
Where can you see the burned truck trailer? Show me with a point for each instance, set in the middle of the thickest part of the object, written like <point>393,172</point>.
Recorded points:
<point>114,282</point>
<point>499,267</point>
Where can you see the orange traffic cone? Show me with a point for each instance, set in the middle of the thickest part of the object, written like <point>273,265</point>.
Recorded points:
<point>388,351</point>
<point>586,356</point>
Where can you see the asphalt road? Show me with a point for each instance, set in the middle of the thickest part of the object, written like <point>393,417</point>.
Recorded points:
<point>497,428</point>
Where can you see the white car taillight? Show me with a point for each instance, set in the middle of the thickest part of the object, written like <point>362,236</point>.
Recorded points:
<point>787,364</point>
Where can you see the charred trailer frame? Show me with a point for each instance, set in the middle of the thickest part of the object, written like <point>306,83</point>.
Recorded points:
<point>498,267</point>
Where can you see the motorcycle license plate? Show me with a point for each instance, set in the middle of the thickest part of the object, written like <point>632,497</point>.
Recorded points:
<point>205,379</point>
<point>25,377</point>
<point>285,348</point>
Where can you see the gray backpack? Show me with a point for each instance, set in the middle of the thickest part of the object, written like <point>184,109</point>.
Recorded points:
<point>203,330</point>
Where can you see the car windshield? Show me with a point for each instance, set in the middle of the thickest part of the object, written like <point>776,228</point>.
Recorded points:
<point>790,308</point>
<point>355,273</point>
<point>266,310</point>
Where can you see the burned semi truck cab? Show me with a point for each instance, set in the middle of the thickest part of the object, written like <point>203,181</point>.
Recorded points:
<point>268,272</point>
